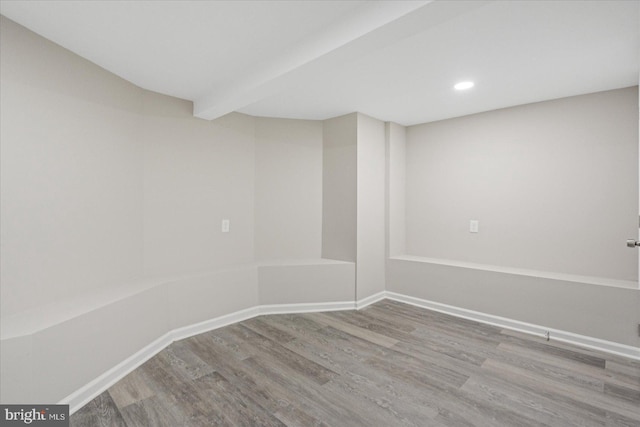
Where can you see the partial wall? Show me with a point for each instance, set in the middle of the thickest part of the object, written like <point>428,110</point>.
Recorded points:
<point>339,188</point>
<point>396,144</point>
<point>196,173</point>
<point>288,189</point>
<point>371,163</point>
<point>52,353</point>
<point>70,174</point>
<point>594,310</point>
<point>554,186</point>
<point>316,281</point>
<point>354,209</point>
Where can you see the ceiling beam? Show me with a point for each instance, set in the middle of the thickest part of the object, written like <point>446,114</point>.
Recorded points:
<point>356,34</point>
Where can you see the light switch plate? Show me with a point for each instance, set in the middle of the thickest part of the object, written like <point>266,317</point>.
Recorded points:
<point>226,224</point>
<point>473,226</point>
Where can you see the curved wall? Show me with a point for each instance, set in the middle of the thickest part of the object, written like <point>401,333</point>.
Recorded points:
<point>112,202</point>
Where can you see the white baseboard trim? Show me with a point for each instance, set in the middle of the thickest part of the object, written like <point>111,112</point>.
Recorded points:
<point>370,300</point>
<point>516,325</point>
<point>85,394</point>
<point>215,323</point>
<point>91,390</point>
<point>88,392</point>
<point>306,307</point>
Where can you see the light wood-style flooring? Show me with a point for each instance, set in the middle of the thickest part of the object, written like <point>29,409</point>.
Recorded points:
<point>390,364</point>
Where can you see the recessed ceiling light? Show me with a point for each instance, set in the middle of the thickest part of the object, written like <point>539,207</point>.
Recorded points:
<point>463,85</point>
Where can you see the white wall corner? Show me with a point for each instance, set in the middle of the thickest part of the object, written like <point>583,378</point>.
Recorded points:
<point>395,136</point>
<point>360,304</point>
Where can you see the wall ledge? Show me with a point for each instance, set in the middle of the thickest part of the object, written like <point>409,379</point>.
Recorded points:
<point>89,391</point>
<point>291,262</point>
<point>172,317</point>
<point>591,280</point>
<point>31,321</point>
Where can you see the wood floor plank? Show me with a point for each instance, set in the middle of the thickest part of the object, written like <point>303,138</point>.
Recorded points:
<point>100,412</point>
<point>365,334</point>
<point>371,383</point>
<point>530,402</point>
<point>130,389</point>
<point>184,363</point>
<point>150,412</point>
<point>444,322</point>
<point>329,349</point>
<point>576,397</point>
<point>326,405</point>
<point>238,408</point>
<point>294,416</point>
<point>274,333</point>
<point>624,393</point>
<point>553,348</point>
<point>182,398</point>
<point>280,354</point>
<point>390,364</point>
<point>581,376</point>
<point>366,319</point>
<point>237,373</point>
<point>623,374</point>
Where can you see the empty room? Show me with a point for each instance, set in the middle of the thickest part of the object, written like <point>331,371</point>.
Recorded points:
<point>319,213</point>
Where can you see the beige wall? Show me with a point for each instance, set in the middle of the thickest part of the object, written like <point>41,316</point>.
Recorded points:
<point>396,145</point>
<point>354,207</point>
<point>104,183</point>
<point>604,312</point>
<point>554,186</point>
<point>311,282</point>
<point>339,187</point>
<point>288,189</point>
<point>71,176</point>
<point>371,164</point>
<point>196,173</point>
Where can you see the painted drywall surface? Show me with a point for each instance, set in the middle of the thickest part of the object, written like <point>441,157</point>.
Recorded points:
<point>371,244</point>
<point>288,189</point>
<point>71,181</point>
<point>196,173</point>
<point>339,193</point>
<point>554,186</point>
<point>103,183</point>
<point>16,373</point>
<point>315,282</point>
<point>57,360</point>
<point>79,148</point>
<point>36,62</point>
<point>396,187</point>
<point>196,299</point>
<point>58,371</point>
<point>597,311</point>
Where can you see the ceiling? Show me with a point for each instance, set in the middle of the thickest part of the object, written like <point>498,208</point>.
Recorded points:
<point>393,60</point>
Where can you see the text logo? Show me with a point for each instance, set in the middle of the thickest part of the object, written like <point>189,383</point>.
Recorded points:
<point>34,415</point>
